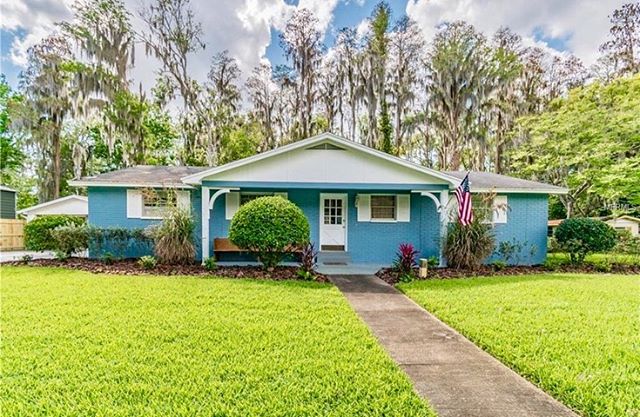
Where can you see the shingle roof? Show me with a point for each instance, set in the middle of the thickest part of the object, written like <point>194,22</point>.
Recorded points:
<point>141,175</point>
<point>488,181</point>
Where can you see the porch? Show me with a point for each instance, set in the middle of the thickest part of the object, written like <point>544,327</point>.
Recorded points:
<point>355,228</point>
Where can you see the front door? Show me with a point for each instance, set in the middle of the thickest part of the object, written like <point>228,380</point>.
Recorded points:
<point>333,222</point>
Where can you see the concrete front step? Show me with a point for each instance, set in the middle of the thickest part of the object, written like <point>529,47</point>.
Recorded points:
<point>334,258</point>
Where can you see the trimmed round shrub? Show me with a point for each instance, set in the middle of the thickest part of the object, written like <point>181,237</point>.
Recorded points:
<point>37,233</point>
<point>581,236</point>
<point>269,227</point>
<point>467,247</point>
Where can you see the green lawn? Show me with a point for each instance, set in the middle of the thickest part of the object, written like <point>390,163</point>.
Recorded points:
<point>79,344</point>
<point>596,258</point>
<point>576,336</point>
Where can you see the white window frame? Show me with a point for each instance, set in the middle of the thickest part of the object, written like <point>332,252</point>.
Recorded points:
<point>384,220</point>
<point>164,208</point>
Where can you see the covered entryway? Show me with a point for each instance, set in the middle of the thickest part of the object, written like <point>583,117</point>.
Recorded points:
<point>333,222</point>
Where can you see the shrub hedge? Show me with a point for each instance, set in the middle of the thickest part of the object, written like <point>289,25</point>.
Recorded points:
<point>37,233</point>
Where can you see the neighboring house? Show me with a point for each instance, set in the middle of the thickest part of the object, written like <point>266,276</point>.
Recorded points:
<point>621,223</point>
<point>360,203</point>
<point>629,223</point>
<point>72,205</point>
<point>7,202</point>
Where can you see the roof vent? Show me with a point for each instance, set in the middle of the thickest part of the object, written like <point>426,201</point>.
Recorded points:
<point>326,147</point>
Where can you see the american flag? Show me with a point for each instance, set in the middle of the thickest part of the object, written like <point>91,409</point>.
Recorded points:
<point>463,195</point>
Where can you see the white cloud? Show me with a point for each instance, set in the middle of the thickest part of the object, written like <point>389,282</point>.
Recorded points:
<point>583,22</point>
<point>243,27</point>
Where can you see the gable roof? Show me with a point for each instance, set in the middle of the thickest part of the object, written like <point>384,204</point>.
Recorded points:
<point>488,181</point>
<point>55,202</point>
<point>141,176</point>
<point>341,142</point>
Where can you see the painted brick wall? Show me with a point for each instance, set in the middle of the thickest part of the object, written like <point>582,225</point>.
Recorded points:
<point>367,242</point>
<point>108,209</point>
<point>527,224</point>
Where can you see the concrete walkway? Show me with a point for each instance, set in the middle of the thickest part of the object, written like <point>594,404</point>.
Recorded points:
<point>454,375</point>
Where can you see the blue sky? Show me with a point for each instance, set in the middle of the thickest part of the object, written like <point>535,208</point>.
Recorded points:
<point>250,29</point>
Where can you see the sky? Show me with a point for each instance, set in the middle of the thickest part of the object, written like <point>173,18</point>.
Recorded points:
<point>250,29</point>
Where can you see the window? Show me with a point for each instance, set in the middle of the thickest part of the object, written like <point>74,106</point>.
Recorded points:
<point>490,209</point>
<point>246,197</point>
<point>155,203</point>
<point>333,211</point>
<point>383,207</point>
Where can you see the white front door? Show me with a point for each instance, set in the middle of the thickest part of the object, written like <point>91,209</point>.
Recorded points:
<point>333,222</point>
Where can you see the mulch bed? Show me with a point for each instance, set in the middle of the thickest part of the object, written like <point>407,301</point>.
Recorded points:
<point>131,267</point>
<point>391,277</point>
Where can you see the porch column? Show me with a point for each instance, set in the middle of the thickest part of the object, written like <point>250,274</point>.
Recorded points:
<point>207,205</point>
<point>444,217</point>
<point>204,216</point>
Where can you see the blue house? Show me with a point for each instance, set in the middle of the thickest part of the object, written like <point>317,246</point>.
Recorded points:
<point>360,203</point>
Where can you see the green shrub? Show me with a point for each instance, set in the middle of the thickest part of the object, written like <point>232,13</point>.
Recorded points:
<point>71,238</point>
<point>269,227</point>
<point>433,261</point>
<point>499,265</point>
<point>466,247</point>
<point>147,262</point>
<point>173,238</point>
<point>37,233</point>
<point>108,258</point>
<point>552,245</point>
<point>581,236</point>
<point>210,264</point>
<point>627,244</point>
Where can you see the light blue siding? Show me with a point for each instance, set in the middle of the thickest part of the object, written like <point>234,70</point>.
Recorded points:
<point>527,224</point>
<point>368,242</point>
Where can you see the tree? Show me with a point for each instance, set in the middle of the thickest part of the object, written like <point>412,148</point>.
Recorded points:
<point>460,79</point>
<point>262,91</point>
<point>302,44</point>
<point>173,35</point>
<point>406,47</point>
<point>46,104</point>
<point>386,131</point>
<point>11,155</point>
<point>223,100</point>
<point>588,142</point>
<point>348,59</point>
<point>624,44</point>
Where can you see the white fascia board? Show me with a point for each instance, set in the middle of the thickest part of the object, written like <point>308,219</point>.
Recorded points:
<point>340,141</point>
<point>520,191</point>
<point>80,183</point>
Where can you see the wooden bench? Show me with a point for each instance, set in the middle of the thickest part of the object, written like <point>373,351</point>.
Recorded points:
<point>224,245</point>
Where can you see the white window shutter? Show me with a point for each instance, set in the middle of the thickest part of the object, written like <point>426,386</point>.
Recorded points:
<point>134,204</point>
<point>500,208</point>
<point>232,200</point>
<point>403,205</point>
<point>364,207</point>
<point>183,199</point>
<point>283,195</point>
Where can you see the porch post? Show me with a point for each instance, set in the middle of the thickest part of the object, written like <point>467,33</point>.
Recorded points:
<point>444,214</point>
<point>204,216</point>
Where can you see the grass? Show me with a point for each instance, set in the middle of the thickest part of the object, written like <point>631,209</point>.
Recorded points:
<point>78,344</point>
<point>575,336</point>
<point>596,258</point>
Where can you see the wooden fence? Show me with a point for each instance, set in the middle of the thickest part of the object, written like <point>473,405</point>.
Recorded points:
<point>11,234</point>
